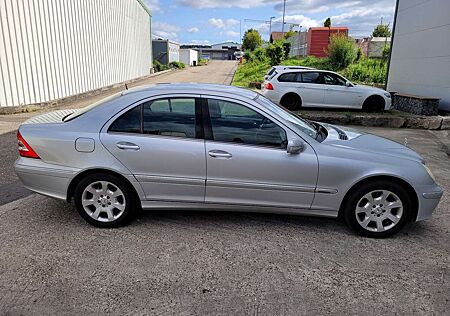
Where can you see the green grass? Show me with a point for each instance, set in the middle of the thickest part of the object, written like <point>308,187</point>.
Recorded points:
<point>366,70</point>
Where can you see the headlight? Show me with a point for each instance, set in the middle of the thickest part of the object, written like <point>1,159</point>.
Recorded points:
<point>387,95</point>
<point>429,173</point>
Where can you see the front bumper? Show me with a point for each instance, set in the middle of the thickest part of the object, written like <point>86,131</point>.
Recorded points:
<point>429,197</point>
<point>44,178</point>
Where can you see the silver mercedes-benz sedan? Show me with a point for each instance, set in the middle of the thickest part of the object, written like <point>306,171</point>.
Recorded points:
<point>200,146</point>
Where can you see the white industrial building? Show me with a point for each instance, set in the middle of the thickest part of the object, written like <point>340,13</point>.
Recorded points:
<point>420,60</point>
<point>51,49</point>
<point>189,57</point>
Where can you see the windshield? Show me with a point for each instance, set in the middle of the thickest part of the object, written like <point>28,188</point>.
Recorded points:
<point>301,123</point>
<point>81,111</point>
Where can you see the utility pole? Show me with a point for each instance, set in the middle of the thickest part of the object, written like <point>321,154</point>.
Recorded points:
<point>284,12</point>
<point>270,27</point>
<point>240,32</point>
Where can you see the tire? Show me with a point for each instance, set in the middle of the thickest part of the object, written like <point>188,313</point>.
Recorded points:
<point>105,200</point>
<point>291,101</point>
<point>374,104</point>
<point>389,211</point>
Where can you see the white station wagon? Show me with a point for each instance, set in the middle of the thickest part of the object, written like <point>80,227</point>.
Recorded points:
<point>325,89</point>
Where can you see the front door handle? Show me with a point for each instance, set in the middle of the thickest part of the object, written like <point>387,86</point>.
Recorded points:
<point>127,146</point>
<point>219,154</point>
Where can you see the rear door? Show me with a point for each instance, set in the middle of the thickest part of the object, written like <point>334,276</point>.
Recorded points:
<point>160,142</point>
<point>247,162</point>
<point>311,89</point>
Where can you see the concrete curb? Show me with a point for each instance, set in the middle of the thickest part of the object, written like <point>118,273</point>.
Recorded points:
<point>72,98</point>
<point>396,120</point>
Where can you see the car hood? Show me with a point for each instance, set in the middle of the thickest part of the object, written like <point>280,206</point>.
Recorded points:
<point>369,88</point>
<point>356,140</point>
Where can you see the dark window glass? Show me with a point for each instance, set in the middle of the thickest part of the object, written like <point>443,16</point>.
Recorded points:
<point>288,77</point>
<point>333,79</point>
<point>235,123</point>
<point>129,122</point>
<point>170,117</point>
<point>311,77</point>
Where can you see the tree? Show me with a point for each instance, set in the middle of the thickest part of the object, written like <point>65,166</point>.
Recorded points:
<point>252,39</point>
<point>327,22</point>
<point>289,33</point>
<point>341,51</point>
<point>381,30</point>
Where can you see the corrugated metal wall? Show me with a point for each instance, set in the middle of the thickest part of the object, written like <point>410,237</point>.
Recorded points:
<point>50,49</point>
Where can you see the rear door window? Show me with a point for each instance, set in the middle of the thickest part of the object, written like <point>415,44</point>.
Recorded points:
<point>170,117</point>
<point>311,77</point>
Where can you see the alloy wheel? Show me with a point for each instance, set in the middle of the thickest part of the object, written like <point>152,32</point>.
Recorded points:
<point>103,201</point>
<point>379,210</point>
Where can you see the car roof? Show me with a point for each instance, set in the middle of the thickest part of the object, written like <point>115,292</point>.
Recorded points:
<point>194,88</point>
<point>292,67</point>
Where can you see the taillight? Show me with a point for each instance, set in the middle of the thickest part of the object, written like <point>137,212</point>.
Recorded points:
<point>268,86</point>
<point>24,149</point>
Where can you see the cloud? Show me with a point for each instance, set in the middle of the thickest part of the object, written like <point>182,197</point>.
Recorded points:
<point>222,24</point>
<point>232,33</point>
<point>193,30</point>
<point>200,42</point>
<point>153,5</point>
<point>165,30</point>
<point>225,4</point>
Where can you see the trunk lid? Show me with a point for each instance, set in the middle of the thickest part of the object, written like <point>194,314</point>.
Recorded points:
<point>50,118</point>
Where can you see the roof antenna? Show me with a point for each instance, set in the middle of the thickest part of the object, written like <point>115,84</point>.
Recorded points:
<point>126,86</point>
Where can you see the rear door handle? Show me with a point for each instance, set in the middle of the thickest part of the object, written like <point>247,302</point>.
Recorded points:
<point>127,146</point>
<point>219,154</point>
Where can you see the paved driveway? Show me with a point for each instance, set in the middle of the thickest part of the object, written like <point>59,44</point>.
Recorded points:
<point>187,263</point>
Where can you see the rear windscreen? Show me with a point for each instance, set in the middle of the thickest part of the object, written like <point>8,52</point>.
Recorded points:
<point>89,107</point>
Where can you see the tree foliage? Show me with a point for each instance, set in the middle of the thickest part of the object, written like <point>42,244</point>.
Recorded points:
<point>327,22</point>
<point>382,30</point>
<point>252,40</point>
<point>276,52</point>
<point>341,51</point>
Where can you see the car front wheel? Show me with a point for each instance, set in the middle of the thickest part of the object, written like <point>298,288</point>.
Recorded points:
<point>104,200</point>
<point>378,209</point>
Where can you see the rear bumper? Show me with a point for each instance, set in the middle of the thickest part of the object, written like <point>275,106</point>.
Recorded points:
<point>429,197</point>
<point>43,178</point>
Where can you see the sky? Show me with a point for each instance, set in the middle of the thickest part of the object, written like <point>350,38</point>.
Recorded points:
<point>215,21</point>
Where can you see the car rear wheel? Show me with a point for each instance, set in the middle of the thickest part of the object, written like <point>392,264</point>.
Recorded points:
<point>291,101</point>
<point>378,209</point>
<point>104,200</point>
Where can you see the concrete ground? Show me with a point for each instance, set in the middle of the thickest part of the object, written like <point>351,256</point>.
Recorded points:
<point>190,263</point>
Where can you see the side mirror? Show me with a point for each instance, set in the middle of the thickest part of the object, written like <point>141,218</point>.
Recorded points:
<point>348,84</point>
<point>295,146</point>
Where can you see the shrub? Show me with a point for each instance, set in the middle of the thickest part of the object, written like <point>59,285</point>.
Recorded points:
<point>259,54</point>
<point>157,66</point>
<point>286,49</point>
<point>202,61</point>
<point>341,51</point>
<point>177,65</point>
<point>248,55</point>
<point>367,70</point>
<point>386,51</point>
<point>359,54</point>
<point>276,53</point>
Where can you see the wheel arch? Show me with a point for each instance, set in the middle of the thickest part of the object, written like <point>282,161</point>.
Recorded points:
<point>293,93</point>
<point>390,178</point>
<point>74,182</point>
<point>373,97</point>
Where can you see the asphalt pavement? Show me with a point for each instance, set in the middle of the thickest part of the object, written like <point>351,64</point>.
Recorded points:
<point>204,263</point>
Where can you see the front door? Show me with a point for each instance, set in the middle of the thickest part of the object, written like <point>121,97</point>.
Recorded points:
<point>247,162</point>
<point>161,144</point>
<point>337,94</point>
